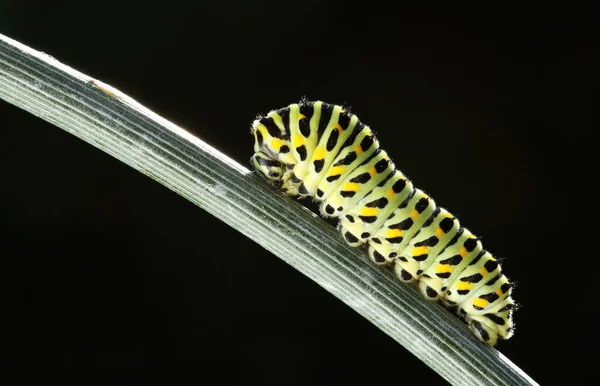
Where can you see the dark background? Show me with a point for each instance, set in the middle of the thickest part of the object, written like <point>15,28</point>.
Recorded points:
<point>110,278</point>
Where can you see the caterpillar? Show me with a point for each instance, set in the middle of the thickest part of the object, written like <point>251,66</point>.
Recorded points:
<point>323,151</point>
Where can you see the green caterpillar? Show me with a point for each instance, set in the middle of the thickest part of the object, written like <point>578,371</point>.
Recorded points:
<point>323,151</point>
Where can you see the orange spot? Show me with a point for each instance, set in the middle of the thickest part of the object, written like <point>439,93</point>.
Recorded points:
<point>439,232</point>
<point>464,285</point>
<point>499,292</point>
<point>418,251</point>
<point>367,212</point>
<point>463,251</point>
<point>301,117</point>
<point>372,171</point>
<point>320,153</point>
<point>414,214</point>
<point>483,271</point>
<point>443,268</point>
<point>338,127</point>
<point>391,233</point>
<point>336,170</point>
<point>358,149</point>
<point>276,144</point>
<point>350,186</point>
<point>479,302</point>
<point>390,193</point>
<point>298,141</point>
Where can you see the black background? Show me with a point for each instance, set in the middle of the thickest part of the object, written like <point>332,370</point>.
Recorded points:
<point>110,278</point>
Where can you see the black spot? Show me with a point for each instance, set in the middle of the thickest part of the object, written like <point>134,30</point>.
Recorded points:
<point>421,257</point>
<point>419,272</point>
<point>368,219</point>
<point>347,160</point>
<point>476,259</point>
<point>443,288</point>
<point>455,238</point>
<point>361,178</point>
<point>476,278</point>
<point>491,297</point>
<point>350,238</point>
<point>399,185</point>
<point>385,179</point>
<point>378,257</point>
<point>347,193</point>
<point>340,208</point>
<point>392,255</point>
<point>395,240</point>
<point>273,174</point>
<point>344,120</point>
<point>482,332</point>
<point>493,280</point>
<point>320,193</point>
<point>382,165</point>
<point>376,240</point>
<point>422,204</point>
<point>302,189</point>
<point>431,218</point>
<point>496,319</point>
<point>284,149</point>
<point>429,242</point>
<point>446,224</point>
<point>301,152</point>
<point>403,225</point>
<point>404,203</point>
<point>333,139</point>
<point>365,235</point>
<point>272,127</point>
<point>454,260</point>
<point>506,308</point>
<point>402,258</point>
<point>259,138</point>
<point>307,110</point>
<point>295,179</point>
<point>333,178</point>
<point>463,292</point>
<point>329,209</point>
<point>319,163</point>
<point>352,137</point>
<point>431,292</point>
<point>379,203</point>
<point>268,162</point>
<point>443,275</point>
<point>350,218</point>
<point>406,276</point>
<point>326,110</point>
<point>470,244</point>
<point>491,265</point>
<point>366,142</point>
<point>505,287</point>
<point>285,118</point>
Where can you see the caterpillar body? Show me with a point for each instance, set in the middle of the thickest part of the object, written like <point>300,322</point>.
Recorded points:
<point>323,151</point>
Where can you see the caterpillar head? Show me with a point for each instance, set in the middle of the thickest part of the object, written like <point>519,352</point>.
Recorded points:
<point>271,168</point>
